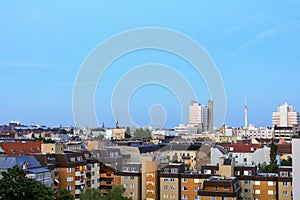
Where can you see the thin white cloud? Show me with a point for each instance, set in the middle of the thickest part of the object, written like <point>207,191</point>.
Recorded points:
<point>262,35</point>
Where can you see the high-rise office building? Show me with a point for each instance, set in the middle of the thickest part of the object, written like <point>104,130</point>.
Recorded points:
<point>202,116</point>
<point>286,116</point>
<point>210,116</point>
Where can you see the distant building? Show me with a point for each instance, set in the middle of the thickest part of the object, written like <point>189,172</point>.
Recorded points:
<point>286,132</point>
<point>201,116</point>
<point>285,116</point>
<point>252,132</point>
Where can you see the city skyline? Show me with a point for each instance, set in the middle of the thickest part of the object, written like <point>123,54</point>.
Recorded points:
<point>43,46</point>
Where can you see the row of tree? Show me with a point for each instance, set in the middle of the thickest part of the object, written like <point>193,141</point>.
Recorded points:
<point>138,133</point>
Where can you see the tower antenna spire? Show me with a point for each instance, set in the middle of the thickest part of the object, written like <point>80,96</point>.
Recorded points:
<point>245,114</point>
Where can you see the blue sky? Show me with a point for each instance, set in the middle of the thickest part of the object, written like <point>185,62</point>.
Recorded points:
<point>256,47</point>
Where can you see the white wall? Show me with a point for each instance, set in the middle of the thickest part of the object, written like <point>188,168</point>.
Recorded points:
<point>296,167</point>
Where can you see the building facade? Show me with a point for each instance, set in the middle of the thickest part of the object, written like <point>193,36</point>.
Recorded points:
<point>286,115</point>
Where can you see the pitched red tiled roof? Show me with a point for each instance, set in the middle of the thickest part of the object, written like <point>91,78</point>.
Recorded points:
<point>21,148</point>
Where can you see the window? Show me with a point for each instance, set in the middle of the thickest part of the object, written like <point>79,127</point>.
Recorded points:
<point>285,184</point>
<point>131,185</point>
<point>172,196</point>
<point>166,196</point>
<point>172,187</point>
<point>247,191</point>
<point>237,173</point>
<point>285,193</point>
<point>196,189</point>
<point>183,180</point>
<point>174,170</point>
<point>72,159</point>
<point>196,197</point>
<point>184,188</point>
<point>212,198</point>
<point>125,185</point>
<point>271,183</point>
<point>126,169</point>
<point>271,192</point>
<point>184,197</point>
<point>256,183</point>
<point>226,188</point>
<point>166,170</point>
<point>69,188</point>
<point>284,174</point>
<point>207,171</point>
<point>196,180</point>
<point>133,169</point>
<point>172,179</point>
<point>165,187</point>
<point>165,180</point>
<point>125,177</point>
<point>131,177</point>
<point>69,179</point>
<point>69,170</point>
<point>246,182</point>
<point>256,191</point>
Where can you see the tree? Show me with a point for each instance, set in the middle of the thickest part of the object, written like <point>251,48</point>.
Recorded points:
<point>116,193</point>
<point>15,185</point>
<point>64,195</point>
<point>273,153</point>
<point>93,194</point>
<point>127,133</point>
<point>273,166</point>
<point>141,133</point>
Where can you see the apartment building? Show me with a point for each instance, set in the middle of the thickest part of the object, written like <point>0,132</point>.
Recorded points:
<point>130,179</point>
<point>169,178</point>
<point>285,180</point>
<point>191,154</point>
<point>72,172</point>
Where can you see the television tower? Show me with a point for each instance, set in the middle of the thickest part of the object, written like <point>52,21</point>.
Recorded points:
<point>246,114</point>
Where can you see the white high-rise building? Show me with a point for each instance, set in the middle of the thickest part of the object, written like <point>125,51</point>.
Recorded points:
<point>199,115</point>
<point>285,116</point>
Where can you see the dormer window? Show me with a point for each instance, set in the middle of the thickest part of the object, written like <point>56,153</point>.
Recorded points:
<point>25,165</point>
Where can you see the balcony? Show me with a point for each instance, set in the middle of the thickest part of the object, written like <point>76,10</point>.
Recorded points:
<point>77,191</point>
<point>77,182</point>
<point>77,173</point>
<point>106,183</point>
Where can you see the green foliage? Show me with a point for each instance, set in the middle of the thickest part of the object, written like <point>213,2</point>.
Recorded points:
<point>141,133</point>
<point>63,131</point>
<point>93,194</point>
<point>287,162</point>
<point>45,140</point>
<point>127,133</point>
<point>15,185</point>
<point>64,195</point>
<point>116,193</point>
<point>273,153</point>
<point>272,167</point>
